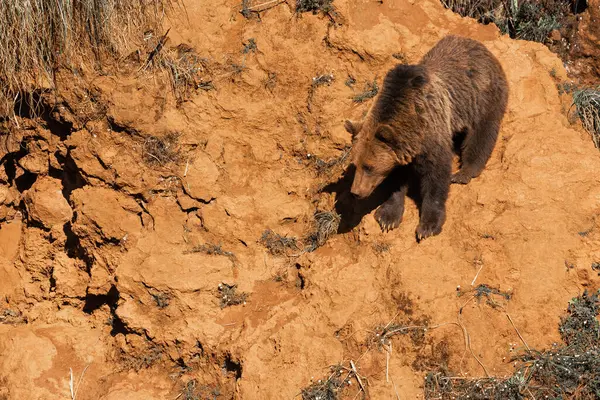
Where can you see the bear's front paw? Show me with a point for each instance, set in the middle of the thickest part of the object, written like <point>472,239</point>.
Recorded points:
<point>389,216</point>
<point>427,229</point>
<point>461,177</point>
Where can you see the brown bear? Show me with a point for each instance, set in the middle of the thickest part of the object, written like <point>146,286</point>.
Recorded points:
<point>458,89</point>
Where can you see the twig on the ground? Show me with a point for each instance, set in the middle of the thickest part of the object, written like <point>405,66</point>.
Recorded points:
<point>476,275</point>
<point>357,376</point>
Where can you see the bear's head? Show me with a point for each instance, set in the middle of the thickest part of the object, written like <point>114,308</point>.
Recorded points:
<point>392,134</point>
<point>373,156</point>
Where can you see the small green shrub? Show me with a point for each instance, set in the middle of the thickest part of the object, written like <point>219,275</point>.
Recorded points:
<point>521,19</point>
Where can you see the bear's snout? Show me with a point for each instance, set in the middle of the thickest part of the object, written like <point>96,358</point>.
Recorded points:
<point>359,191</point>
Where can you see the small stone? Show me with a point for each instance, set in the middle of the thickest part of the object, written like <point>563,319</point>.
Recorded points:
<point>46,204</point>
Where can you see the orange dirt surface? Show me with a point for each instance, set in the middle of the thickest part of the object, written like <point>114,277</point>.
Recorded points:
<point>102,269</point>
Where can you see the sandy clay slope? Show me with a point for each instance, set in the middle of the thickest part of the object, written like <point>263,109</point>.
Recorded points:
<point>106,264</point>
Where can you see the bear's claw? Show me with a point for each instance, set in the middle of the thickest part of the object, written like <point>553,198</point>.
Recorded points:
<point>426,230</point>
<point>388,216</point>
<point>461,178</point>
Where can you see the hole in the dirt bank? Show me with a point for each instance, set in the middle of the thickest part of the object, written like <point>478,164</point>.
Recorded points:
<point>34,104</point>
<point>111,298</point>
<point>10,167</point>
<point>28,105</point>
<point>300,279</point>
<point>120,128</point>
<point>231,366</point>
<point>95,301</point>
<point>71,176</point>
<point>52,281</point>
<point>182,365</point>
<point>25,181</point>
<point>73,246</point>
<point>200,347</point>
<point>578,6</point>
<point>118,326</point>
<point>60,128</point>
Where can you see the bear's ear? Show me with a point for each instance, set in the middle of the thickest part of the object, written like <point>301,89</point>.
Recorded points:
<point>352,127</point>
<point>419,81</point>
<point>419,77</point>
<point>385,134</point>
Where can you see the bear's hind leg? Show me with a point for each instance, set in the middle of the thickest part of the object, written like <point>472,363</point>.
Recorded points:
<point>477,149</point>
<point>435,185</point>
<point>389,214</point>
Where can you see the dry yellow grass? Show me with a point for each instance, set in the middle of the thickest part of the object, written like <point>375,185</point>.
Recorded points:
<point>40,36</point>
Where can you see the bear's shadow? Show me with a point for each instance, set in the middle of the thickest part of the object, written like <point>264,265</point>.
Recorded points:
<point>352,209</point>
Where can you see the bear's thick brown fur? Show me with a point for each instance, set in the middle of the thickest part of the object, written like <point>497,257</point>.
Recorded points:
<point>458,87</point>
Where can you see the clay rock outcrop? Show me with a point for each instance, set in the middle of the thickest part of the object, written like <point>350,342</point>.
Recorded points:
<point>46,204</point>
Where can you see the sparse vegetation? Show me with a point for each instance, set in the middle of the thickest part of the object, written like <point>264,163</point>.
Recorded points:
<point>161,150</point>
<point>186,70</point>
<point>143,358</point>
<point>271,81</point>
<point>587,103</point>
<point>250,46</point>
<point>323,79</point>
<point>8,316</point>
<point>229,295</point>
<point>277,244</point>
<point>371,90</point>
<point>326,224</point>
<point>325,167</point>
<point>327,389</point>
<point>350,81</point>
<point>332,387</point>
<point>317,81</point>
<point>161,299</point>
<point>39,37</point>
<point>211,249</point>
<point>400,57</point>
<point>530,21</point>
<point>580,328</point>
<point>485,291</point>
<point>527,20</point>
<point>566,87</point>
<point>570,371</point>
<point>193,391</point>
<point>381,247</point>
<point>314,6</point>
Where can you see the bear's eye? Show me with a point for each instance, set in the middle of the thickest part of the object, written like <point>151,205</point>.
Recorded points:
<point>367,168</point>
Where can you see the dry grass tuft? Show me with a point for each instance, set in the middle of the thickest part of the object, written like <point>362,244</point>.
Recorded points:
<point>40,36</point>
<point>161,150</point>
<point>330,388</point>
<point>229,295</point>
<point>326,224</point>
<point>250,46</point>
<point>571,371</point>
<point>193,391</point>
<point>8,316</point>
<point>144,359</point>
<point>277,244</point>
<point>587,103</point>
<point>371,90</point>
<point>314,6</point>
<point>327,167</point>
<point>381,247</point>
<point>186,70</point>
<point>525,20</point>
<point>211,249</point>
